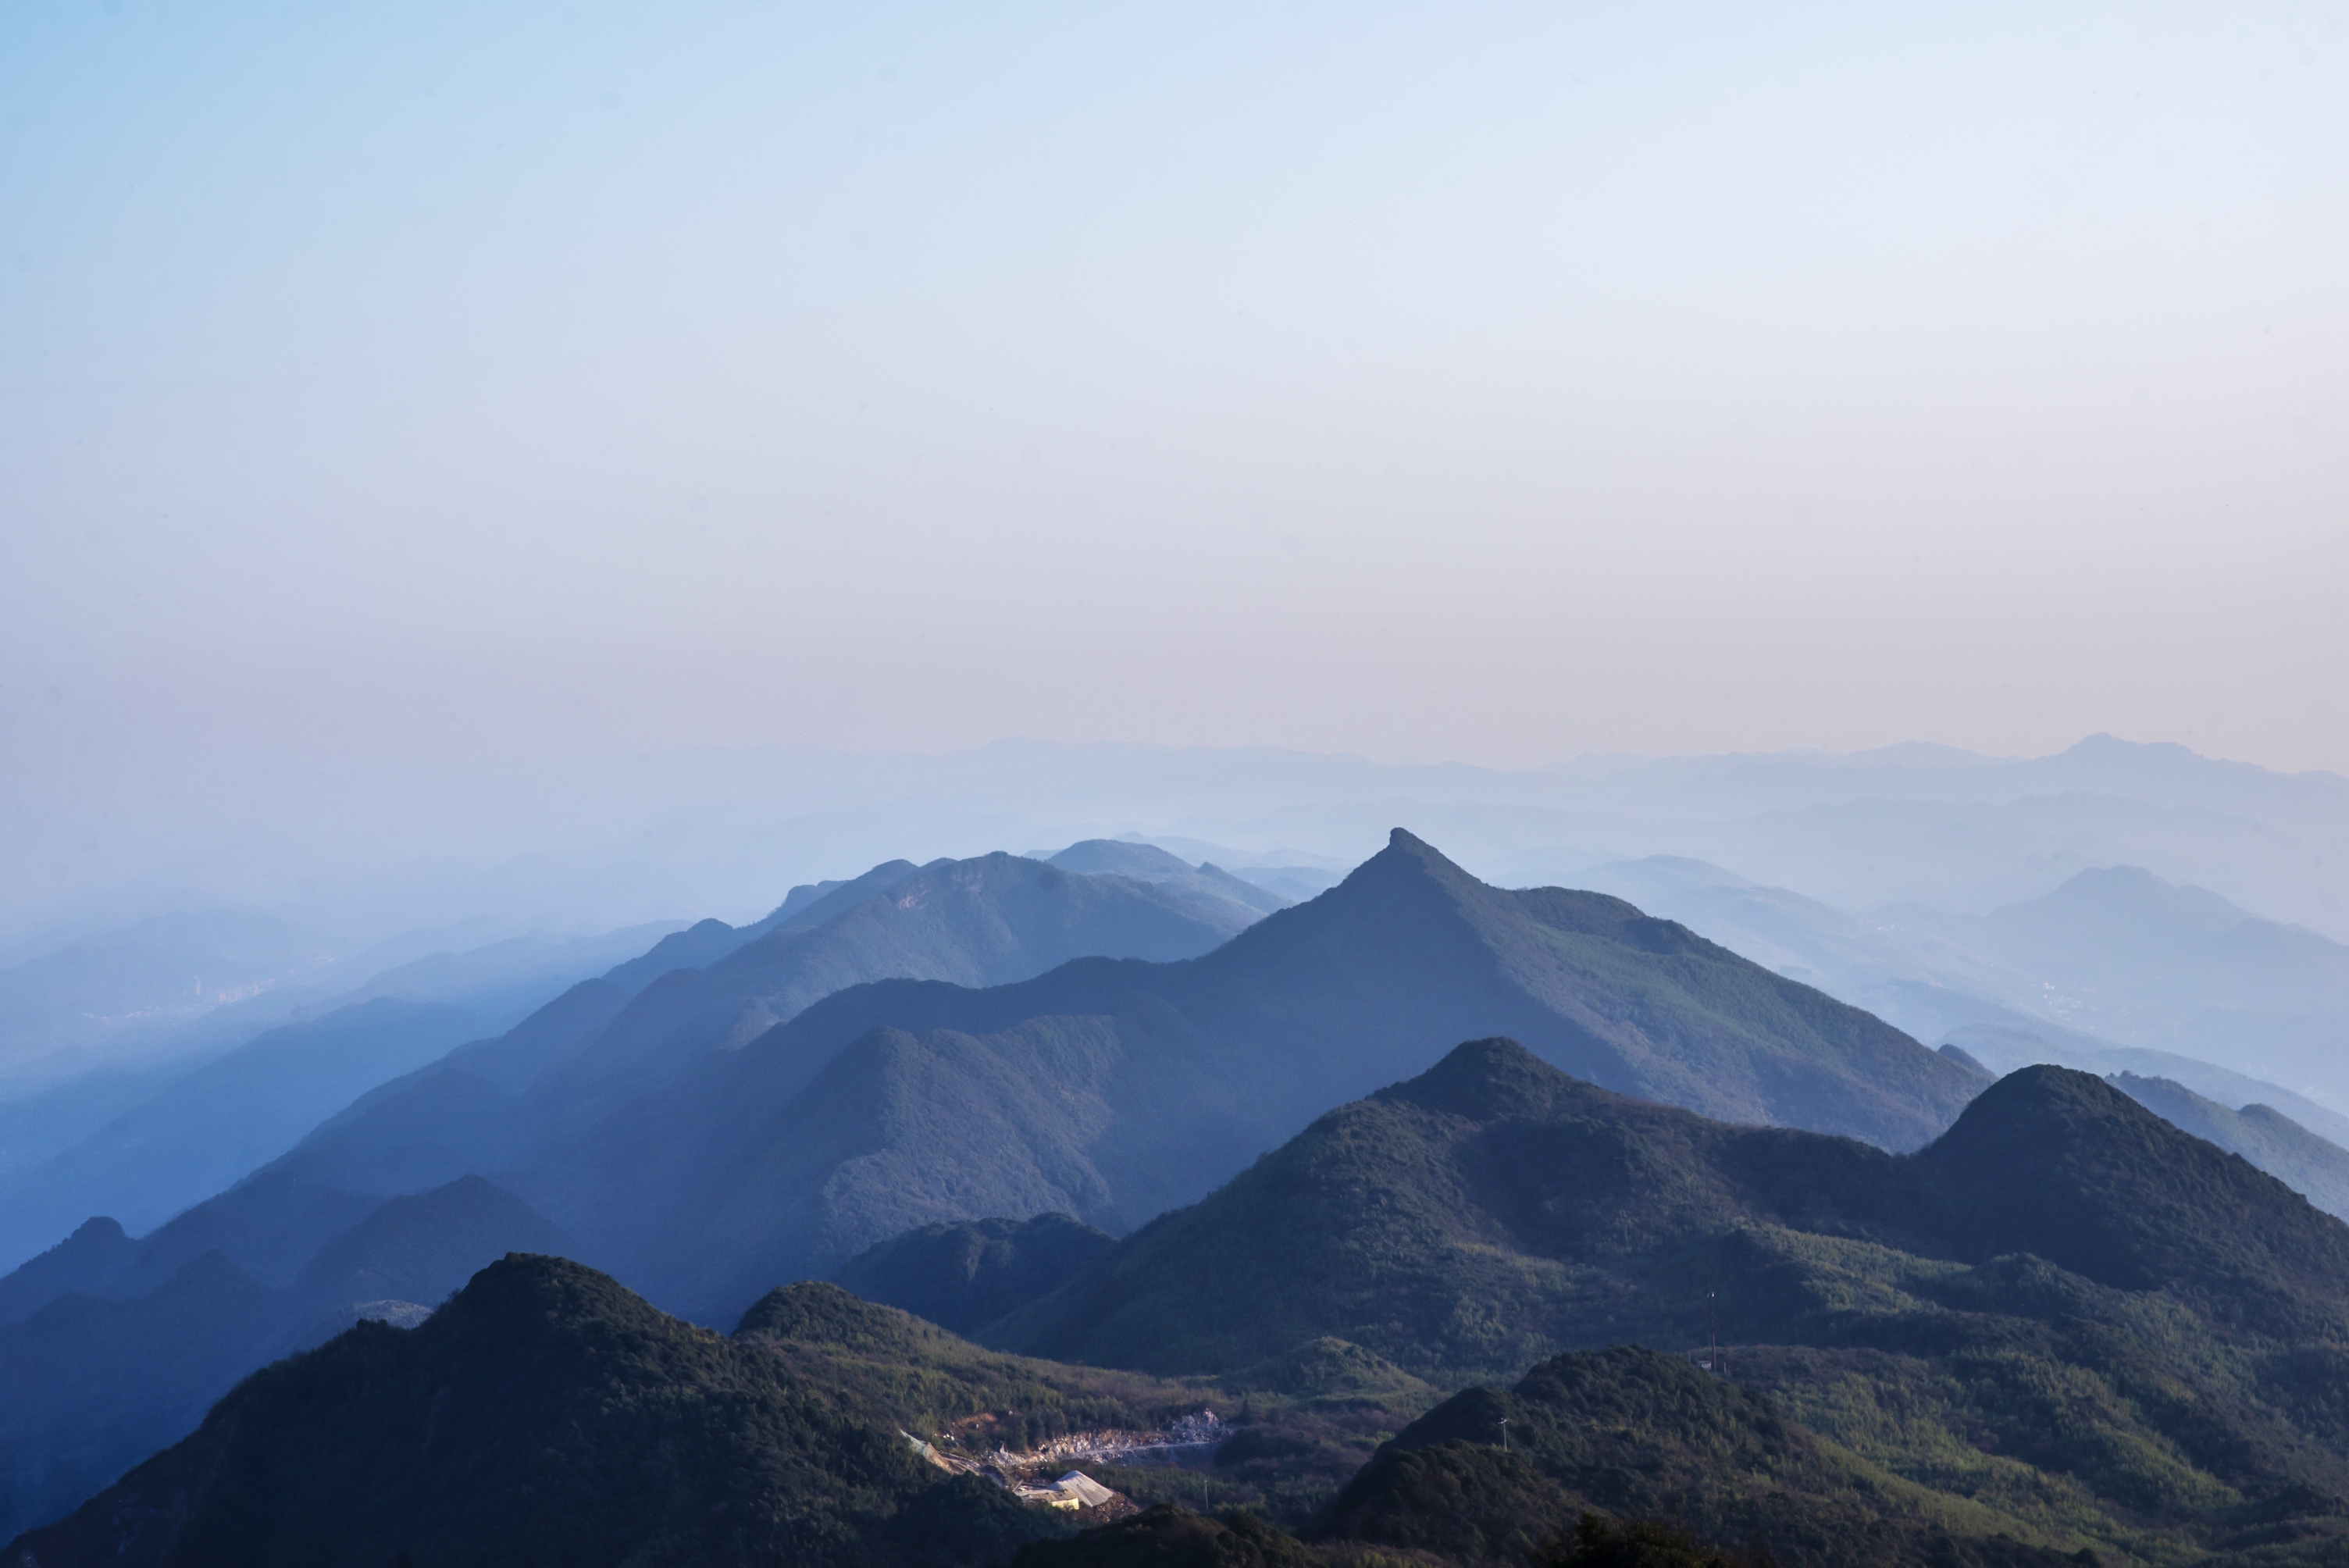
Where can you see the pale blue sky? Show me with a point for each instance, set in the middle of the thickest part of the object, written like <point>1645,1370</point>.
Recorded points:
<point>1492,383</point>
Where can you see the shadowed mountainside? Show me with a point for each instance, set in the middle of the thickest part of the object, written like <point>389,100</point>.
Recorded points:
<point>90,1384</point>
<point>2316,1168</point>
<point>965,1276</point>
<point>547,1416</point>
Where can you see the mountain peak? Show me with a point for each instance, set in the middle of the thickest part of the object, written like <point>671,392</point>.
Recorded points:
<point>822,1313</point>
<point>2038,1113</point>
<point>1412,844</point>
<point>1484,1081</point>
<point>2065,1165</point>
<point>1410,859</point>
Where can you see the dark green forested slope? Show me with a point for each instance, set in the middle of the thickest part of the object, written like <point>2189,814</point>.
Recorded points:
<point>2064,1327</point>
<point>91,1384</point>
<point>2315,1167</point>
<point>2066,1314</point>
<point>1463,1224</point>
<point>547,1416</point>
<point>1630,1432</point>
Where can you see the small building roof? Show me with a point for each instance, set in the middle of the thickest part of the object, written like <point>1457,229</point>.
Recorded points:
<point>1077,1483</point>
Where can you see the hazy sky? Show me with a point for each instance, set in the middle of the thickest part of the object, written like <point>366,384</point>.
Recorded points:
<point>1493,383</point>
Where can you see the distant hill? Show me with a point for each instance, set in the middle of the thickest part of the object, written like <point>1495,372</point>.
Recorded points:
<point>98,1378</point>
<point>161,969</point>
<point>2121,954</point>
<point>218,1122</point>
<point>189,1105</point>
<point>1206,885</point>
<point>2111,956</point>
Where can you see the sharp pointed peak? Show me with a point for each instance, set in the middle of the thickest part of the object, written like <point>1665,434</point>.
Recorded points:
<point>1407,850</point>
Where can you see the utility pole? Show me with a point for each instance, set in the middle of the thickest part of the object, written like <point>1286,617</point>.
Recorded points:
<point>1711,1334</point>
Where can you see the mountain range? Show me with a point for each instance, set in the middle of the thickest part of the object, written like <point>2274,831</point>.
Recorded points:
<point>2065,1321</point>
<point>704,1166</point>
<point>204,1298</point>
<point>2063,1331</point>
<point>1114,1090</point>
<point>956,1087</point>
<point>703,1152</point>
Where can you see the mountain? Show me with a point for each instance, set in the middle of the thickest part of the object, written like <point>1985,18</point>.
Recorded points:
<point>1491,1476</point>
<point>965,1276</point>
<point>84,1262</point>
<point>2063,1330</point>
<point>481,1105</point>
<point>2316,1168</point>
<point>1112,1092</point>
<point>517,1105</point>
<point>216,1123</point>
<point>544,1415</point>
<point>177,1109</point>
<point>2111,956</point>
<point>1493,1209</point>
<point>2121,954</point>
<point>2059,1311</point>
<point>95,1379</point>
<point>979,921</point>
<point>1410,941</point>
